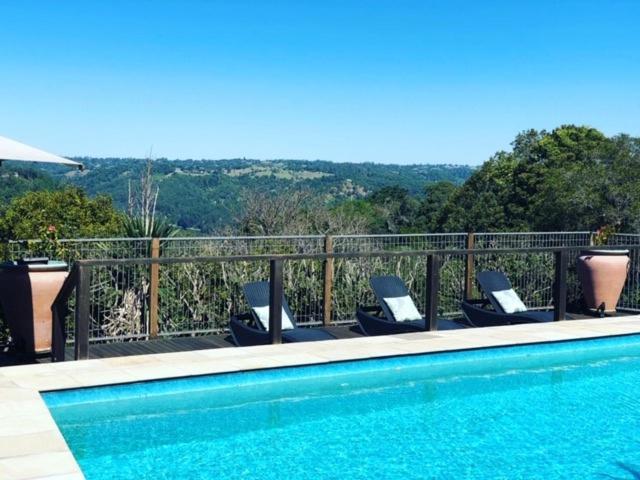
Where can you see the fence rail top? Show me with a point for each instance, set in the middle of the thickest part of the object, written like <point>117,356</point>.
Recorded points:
<point>585,232</point>
<point>399,235</point>
<point>302,237</point>
<point>325,256</point>
<point>257,237</point>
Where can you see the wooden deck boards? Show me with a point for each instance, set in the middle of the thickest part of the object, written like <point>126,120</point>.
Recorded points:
<point>181,344</point>
<point>184,344</point>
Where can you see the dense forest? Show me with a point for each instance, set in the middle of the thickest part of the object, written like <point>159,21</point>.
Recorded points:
<point>571,178</point>
<point>209,195</point>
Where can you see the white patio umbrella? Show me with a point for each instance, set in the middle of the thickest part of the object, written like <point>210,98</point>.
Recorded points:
<point>12,150</point>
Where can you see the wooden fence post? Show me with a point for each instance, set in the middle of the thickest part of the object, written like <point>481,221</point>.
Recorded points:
<point>560,286</point>
<point>469,267</point>
<point>83,313</point>
<point>154,280</point>
<point>328,282</point>
<point>433,286</point>
<point>275,301</point>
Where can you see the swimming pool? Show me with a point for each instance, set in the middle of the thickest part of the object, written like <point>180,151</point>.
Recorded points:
<point>566,410</point>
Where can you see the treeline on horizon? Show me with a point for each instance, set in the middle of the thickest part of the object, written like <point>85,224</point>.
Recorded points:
<point>571,178</point>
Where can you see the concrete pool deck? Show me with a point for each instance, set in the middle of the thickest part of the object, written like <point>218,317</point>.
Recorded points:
<point>32,447</point>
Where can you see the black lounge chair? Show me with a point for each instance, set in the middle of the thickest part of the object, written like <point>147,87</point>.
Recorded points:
<point>247,330</point>
<point>379,319</point>
<point>479,313</point>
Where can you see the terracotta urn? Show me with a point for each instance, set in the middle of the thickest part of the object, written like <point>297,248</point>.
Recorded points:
<point>27,291</point>
<point>603,274</point>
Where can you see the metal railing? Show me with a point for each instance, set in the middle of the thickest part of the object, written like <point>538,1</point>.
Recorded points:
<point>130,303</point>
<point>71,250</point>
<point>101,248</point>
<point>275,267</point>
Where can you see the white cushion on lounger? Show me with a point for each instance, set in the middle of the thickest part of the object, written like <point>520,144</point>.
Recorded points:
<point>263,316</point>
<point>403,308</point>
<point>509,301</point>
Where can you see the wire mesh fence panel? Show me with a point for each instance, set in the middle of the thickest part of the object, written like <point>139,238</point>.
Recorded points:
<point>630,298</point>
<point>198,298</point>
<point>201,297</point>
<point>214,246</point>
<point>119,306</point>
<point>351,282</point>
<point>71,250</point>
<point>532,275</point>
<point>382,243</point>
<point>624,239</point>
<point>108,309</point>
<point>122,248</point>
<point>351,275</point>
<point>304,290</point>
<point>452,280</point>
<point>532,239</point>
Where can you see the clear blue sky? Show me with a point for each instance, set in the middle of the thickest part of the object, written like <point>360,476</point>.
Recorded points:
<point>385,81</point>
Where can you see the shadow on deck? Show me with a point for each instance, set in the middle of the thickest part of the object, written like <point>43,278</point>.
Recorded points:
<point>175,344</point>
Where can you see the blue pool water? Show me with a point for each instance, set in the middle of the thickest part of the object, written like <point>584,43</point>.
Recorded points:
<point>553,411</point>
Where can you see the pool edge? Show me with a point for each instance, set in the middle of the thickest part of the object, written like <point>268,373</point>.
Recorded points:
<point>45,457</point>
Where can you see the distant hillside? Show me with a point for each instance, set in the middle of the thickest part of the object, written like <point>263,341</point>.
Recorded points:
<point>207,194</point>
<point>16,180</point>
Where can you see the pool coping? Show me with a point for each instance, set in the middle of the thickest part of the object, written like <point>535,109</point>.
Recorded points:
<point>32,447</point>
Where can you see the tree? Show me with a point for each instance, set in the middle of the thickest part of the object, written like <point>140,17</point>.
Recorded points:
<point>436,196</point>
<point>398,208</point>
<point>17,180</point>
<point>297,212</point>
<point>482,203</point>
<point>573,178</point>
<point>264,213</point>
<point>360,217</point>
<point>70,210</point>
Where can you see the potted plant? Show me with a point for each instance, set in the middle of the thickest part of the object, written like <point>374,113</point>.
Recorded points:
<point>602,274</point>
<point>28,287</point>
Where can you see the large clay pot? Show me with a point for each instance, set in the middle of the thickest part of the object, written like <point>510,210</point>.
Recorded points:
<point>26,294</point>
<point>603,274</point>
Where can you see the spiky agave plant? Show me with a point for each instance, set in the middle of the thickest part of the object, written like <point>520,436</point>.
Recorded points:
<point>140,227</point>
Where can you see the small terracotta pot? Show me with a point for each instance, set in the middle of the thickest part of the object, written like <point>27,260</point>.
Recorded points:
<point>26,295</point>
<point>603,274</point>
